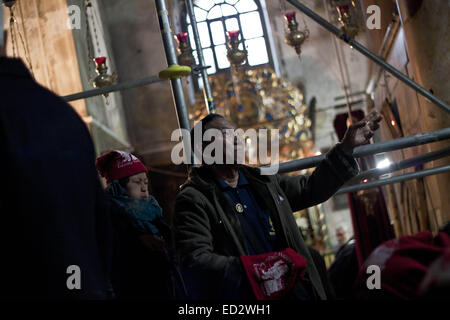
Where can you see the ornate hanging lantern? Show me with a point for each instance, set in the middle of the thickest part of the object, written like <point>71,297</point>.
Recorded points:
<point>293,36</point>
<point>103,79</point>
<point>242,105</point>
<point>235,55</point>
<point>348,25</point>
<point>185,57</point>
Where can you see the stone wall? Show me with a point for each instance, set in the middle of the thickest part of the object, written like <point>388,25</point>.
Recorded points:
<point>43,27</point>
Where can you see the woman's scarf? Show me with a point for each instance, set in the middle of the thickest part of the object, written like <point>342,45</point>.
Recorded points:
<point>142,214</point>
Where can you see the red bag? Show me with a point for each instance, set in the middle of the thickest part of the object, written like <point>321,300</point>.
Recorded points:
<point>274,274</point>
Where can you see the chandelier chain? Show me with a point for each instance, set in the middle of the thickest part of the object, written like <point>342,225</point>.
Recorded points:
<point>88,40</point>
<point>25,43</point>
<point>12,27</point>
<point>16,36</point>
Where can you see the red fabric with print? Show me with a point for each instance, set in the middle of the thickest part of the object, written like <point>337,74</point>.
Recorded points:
<point>274,274</point>
<point>118,164</point>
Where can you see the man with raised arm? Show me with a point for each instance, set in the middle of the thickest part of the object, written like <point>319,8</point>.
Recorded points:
<point>235,231</point>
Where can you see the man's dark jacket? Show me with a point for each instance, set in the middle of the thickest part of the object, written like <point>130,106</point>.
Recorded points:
<point>209,237</point>
<point>51,200</point>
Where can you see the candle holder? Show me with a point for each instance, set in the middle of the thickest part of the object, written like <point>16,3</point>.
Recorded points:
<point>293,36</point>
<point>103,79</point>
<point>348,26</point>
<point>185,57</point>
<point>235,55</point>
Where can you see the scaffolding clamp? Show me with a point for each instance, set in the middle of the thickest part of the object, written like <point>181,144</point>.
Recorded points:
<point>174,71</point>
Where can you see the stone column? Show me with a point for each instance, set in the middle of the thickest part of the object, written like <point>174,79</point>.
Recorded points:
<point>44,28</point>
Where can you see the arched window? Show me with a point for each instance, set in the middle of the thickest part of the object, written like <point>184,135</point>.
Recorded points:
<point>216,17</point>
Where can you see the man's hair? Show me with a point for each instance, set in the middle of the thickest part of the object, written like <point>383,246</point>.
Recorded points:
<point>204,123</point>
<point>2,21</point>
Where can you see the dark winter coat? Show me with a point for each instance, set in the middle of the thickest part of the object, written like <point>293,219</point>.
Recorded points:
<point>137,271</point>
<point>51,200</point>
<point>209,237</point>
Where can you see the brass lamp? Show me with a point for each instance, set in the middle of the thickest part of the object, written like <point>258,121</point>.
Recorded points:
<point>185,57</point>
<point>103,79</point>
<point>293,36</point>
<point>348,26</point>
<point>235,55</point>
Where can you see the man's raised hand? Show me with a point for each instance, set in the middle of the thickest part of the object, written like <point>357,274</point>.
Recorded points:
<point>359,133</point>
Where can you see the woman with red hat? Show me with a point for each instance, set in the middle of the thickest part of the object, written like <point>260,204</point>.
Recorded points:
<point>143,263</point>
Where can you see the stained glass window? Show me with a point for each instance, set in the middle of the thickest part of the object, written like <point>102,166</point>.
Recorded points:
<point>216,17</point>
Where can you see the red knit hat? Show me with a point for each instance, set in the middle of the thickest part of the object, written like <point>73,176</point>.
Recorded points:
<point>118,164</point>
<point>404,262</point>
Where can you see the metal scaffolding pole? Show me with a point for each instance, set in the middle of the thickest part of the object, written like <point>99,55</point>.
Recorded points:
<point>369,54</point>
<point>407,163</point>
<point>201,60</point>
<point>171,55</point>
<point>404,177</point>
<point>113,88</point>
<point>110,132</point>
<point>370,149</point>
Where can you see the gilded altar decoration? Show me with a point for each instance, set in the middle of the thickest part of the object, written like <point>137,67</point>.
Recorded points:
<point>258,99</point>
<point>293,36</point>
<point>185,57</point>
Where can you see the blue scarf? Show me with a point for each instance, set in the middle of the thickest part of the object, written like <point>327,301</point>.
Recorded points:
<point>142,214</point>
